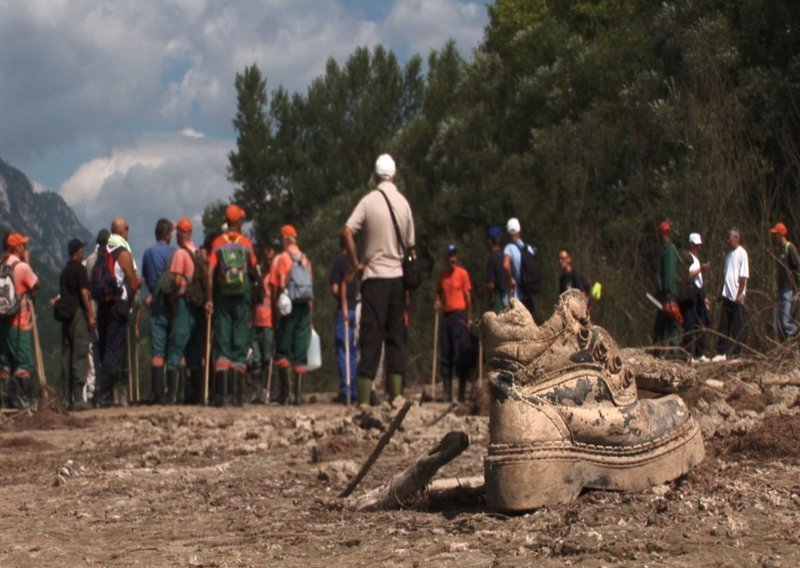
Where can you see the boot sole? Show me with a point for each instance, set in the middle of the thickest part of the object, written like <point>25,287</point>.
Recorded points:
<point>522,477</point>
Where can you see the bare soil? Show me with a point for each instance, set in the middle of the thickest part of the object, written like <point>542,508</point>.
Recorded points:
<point>186,486</point>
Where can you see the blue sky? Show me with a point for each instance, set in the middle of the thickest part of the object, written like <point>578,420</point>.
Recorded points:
<point>126,106</point>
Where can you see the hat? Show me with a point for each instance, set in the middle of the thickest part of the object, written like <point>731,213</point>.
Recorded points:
<point>234,213</point>
<point>664,227</point>
<point>15,239</point>
<point>288,231</point>
<point>450,249</point>
<point>184,225</point>
<point>384,166</point>
<point>513,227</point>
<point>695,239</point>
<point>74,246</point>
<point>494,232</point>
<point>779,229</point>
<point>102,236</point>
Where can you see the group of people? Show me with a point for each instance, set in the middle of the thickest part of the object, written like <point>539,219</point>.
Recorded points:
<point>685,304</point>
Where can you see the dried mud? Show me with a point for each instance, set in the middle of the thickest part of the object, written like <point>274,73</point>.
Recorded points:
<point>180,486</point>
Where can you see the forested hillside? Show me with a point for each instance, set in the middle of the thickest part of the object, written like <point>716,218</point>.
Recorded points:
<point>589,120</point>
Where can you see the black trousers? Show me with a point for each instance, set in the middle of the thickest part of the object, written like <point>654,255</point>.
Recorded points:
<point>455,341</point>
<point>730,327</point>
<point>695,320</point>
<point>382,310</point>
<point>112,330</point>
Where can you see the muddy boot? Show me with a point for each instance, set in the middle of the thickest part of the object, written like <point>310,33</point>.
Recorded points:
<point>364,390</point>
<point>6,392</point>
<point>23,393</point>
<point>194,386</point>
<point>172,386</point>
<point>256,388</point>
<point>238,388</point>
<point>283,385</point>
<point>220,387</point>
<point>395,386</point>
<point>447,389</point>
<point>156,385</point>
<point>230,387</point>
<point>570,418</point>
<point>104,390</point>
<point>462,390</point>
<point>76,402</point>
<point>298,389</point>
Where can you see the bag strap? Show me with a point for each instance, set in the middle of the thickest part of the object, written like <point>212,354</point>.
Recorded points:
<point>394,222</point>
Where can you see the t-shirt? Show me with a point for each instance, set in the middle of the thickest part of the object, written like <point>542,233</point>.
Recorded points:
<point>495,273</point>
<point>514,251</point>
<point>736,266</point>
<point>788,265</point>
<point>72,280</point>
<point>697,280</point>
<point>454,287</point>
<point>283,264</point>
<point>666,283</point>
<point>154,262</point>
<point>338,272</point>
<point>383,257</point>
<point>570,280</point>
<point>263,312</point>
<point>183,265</point>
<point>24,281</point>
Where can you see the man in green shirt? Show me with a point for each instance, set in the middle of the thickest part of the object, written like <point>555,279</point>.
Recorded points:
<point>666,330</point>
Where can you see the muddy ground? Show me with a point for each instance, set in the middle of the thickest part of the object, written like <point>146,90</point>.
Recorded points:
<point>181,486</point>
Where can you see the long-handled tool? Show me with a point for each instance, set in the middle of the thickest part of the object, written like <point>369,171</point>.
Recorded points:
<point>130,366</point>
<point>269,380</point>
<point>207,371</point>
<point>480,363</point>
<point>346,321</point>
<point>38,360</point>
<point>136,377</point>
<point>435,351</point>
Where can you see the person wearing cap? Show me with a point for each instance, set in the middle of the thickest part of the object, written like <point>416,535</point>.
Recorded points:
<point>73,287</point>
<point>293,333</point>
<point>101,241</point>
<point>734,290</point>
<point>16,341</point>
<point>495,273</point>
<point>263,341</point>
<point>666,329</point>
<point>113,316</point>
<point>229,279</point>
<point>453,298</point>
<point>512,265</point>
<point>383,297</point>
<point>184,348</point>
<point>343,278</point>
<point>695,308</point>
<point>154,262</point>
<point>786,278</point>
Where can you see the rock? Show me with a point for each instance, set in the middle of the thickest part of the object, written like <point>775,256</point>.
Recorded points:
<point>337,472</point>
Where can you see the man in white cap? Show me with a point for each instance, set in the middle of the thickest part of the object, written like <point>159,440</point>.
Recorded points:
<point>695,309</point>
<point>522,267</point>
<point>383,215</point>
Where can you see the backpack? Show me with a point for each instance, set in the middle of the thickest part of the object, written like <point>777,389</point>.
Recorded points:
<point>165,280</point>
<point>232,268</point>
<point>530,276</point>
<point>196,289</point>
<point>103,285</point>
<point>9,299</point>
<point>300,286</point>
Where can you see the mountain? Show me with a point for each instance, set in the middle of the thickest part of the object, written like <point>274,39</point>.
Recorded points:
<point>44,217</point>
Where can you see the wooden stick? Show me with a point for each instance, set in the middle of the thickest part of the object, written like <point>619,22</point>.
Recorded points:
<point>130,365</point>
<point>269,380</point>
<point>376,452</point>
<point>396,493</point>
<point>137,378</point>
<point>207,372</point>
<point>480,363</point>
<point>435,357</point>
<point>443,414</point>
<point>38,360</point>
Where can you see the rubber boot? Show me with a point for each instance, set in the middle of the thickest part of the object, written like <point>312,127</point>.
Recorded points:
<point>220,378</point>
<point>230,387</point>
<point>77,402</point>
<point>23,393</point>
<point>238,388</point>
<point>194,386</point>
<point>104,390</point>
<point>6,392</point>
<point>364,390</point>
<point>172,386</point>
<point>462,390</point>
<point>283,385</point>
<point>256,387</point>
<point>157,384</point>
<point>447,389</point>
<point>395,386</point>
<point>298,389</point>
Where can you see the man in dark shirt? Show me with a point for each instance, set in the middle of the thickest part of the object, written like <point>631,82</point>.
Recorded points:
<point>570,278</point>
<point>786,274</point>
<point>338,282</point>
<point>75,330</point>
<point>495,274</point>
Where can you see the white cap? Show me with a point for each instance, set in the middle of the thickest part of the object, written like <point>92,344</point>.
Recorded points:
<point>384,166</point>
<point>513,227</point>
<point>695,239</point>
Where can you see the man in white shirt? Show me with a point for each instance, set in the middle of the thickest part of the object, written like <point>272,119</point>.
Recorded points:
<point>734,289</point>
<point>512,265</point>
<point>695,311</point>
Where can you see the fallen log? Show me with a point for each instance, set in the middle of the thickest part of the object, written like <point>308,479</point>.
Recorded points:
<point>387,435</point>
<point>399,490</point>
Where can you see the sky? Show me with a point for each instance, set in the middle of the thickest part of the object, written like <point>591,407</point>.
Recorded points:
<point>125,107</point>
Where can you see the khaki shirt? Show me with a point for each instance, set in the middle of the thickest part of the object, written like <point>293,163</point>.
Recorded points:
<point>383,256</point>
